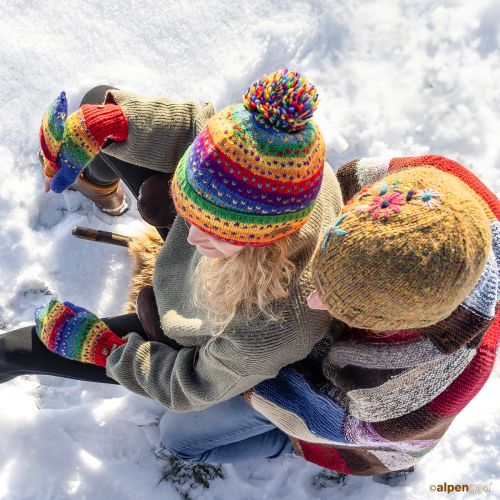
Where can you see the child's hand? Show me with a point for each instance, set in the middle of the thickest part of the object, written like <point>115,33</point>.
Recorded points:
<point>69,144</point>
<point>85,132</point>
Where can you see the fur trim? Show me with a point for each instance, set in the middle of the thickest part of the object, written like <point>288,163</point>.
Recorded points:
<point>143,249</point>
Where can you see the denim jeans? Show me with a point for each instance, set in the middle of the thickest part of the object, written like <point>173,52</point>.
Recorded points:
<point>227,432</point>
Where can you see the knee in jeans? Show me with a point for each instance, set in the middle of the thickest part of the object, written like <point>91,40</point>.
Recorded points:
<point>172,446</point>
<point>173,439</point>
<point>181,454</point>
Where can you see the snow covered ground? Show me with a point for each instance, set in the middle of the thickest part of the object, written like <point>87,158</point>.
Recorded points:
<point>394,77</point>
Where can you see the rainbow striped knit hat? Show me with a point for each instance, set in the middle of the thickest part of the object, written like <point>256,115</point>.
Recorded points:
<point>254,171</point>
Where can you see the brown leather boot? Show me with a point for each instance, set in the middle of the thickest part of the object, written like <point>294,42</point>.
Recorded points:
<point>110,199</point>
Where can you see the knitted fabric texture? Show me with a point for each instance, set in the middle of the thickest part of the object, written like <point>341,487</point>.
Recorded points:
<point>366,402</point>
<point>51,133</point>
<point>254,171</point>
<point>405,251</point>
<point>68,145</point>
<point>159,129</point>
<point>209,369</point>
<point>84,133</point>
<point>75,333</point>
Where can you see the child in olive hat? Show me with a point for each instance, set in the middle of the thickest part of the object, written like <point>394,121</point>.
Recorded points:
<point>411,272</point>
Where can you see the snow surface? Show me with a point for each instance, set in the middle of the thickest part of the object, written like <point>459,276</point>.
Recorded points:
<point>394,77</point>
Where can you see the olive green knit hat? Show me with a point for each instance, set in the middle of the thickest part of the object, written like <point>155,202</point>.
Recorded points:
<point>405,251</point>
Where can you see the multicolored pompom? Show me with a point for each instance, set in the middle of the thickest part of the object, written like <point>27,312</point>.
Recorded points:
<point>285,99</point>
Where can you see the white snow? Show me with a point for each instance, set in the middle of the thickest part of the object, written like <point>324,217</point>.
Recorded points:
<point>394,77</point>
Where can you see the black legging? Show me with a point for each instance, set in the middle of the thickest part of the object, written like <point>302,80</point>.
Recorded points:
<point>21,351</point>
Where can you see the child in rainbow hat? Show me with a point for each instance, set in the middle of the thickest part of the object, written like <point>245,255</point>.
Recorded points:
<point>253,196</point>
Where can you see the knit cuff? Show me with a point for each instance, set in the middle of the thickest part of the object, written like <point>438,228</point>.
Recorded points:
<point>105,122</point>
<point>106,344</point>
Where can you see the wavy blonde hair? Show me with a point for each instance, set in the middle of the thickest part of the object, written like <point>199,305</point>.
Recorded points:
<point>248,283</point>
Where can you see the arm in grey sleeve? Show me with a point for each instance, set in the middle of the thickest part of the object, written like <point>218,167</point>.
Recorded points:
<point>159,130</point>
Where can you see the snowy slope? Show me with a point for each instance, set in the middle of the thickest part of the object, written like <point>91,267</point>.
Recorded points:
<point>394,77</point>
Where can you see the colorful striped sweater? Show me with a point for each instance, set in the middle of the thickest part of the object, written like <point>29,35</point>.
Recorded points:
<point>364,404</point>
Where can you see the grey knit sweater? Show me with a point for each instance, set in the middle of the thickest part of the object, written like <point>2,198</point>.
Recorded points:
<point>209,369</point>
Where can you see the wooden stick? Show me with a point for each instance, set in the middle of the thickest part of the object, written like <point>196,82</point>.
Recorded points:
<point>87,233</point>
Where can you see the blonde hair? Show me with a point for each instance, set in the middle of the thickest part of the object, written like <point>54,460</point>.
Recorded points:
<point>248,283</point>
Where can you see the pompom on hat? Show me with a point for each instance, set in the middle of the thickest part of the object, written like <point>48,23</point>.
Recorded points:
<point>408,249</point>
<point>254,171</point>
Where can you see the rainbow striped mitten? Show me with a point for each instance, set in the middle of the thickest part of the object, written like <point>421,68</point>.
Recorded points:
<point>75,333</point>
<point>85,131</point>
<point>51,133</point>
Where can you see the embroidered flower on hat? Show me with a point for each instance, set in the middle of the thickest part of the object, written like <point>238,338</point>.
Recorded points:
<point>334,230</point>
<point>429,198</point>
<point>386,205</point>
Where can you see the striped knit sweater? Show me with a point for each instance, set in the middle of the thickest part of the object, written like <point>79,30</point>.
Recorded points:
<point>364,404</point>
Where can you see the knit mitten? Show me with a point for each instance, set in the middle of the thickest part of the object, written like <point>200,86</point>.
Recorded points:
<point>85,132</point>
<point>75,333</point>
<point>51,134</point>
<point>68,145</point>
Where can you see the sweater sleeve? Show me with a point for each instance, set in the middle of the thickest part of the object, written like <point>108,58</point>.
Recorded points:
<point>159,130</point>
<point>356,174</point>
<point>195,378</point>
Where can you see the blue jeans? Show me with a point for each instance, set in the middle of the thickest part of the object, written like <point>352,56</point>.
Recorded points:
<point>228,432</point>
